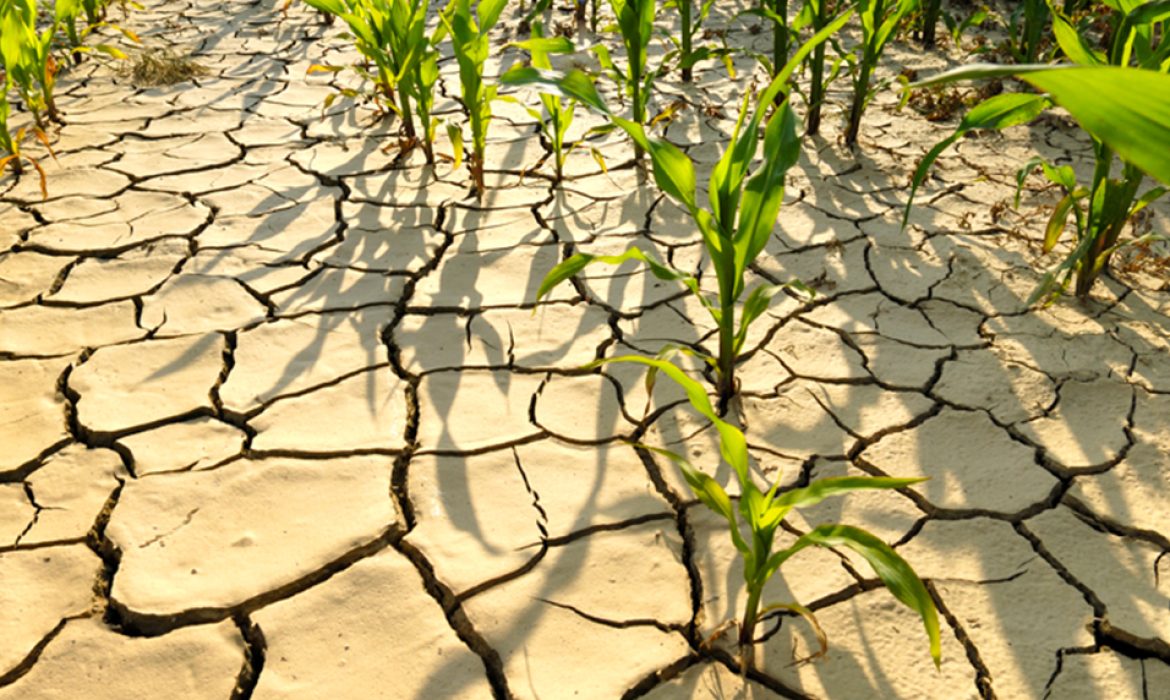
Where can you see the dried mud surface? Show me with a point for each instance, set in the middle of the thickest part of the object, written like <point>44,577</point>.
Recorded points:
<point>281,417</point>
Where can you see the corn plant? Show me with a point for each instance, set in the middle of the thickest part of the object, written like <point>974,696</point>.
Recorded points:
<point>684,44</point>
<point>775,12</point>
<point>469,36</point>
<point>1126,112</point>
<point>957,26</point>
<point>817,14</point>
<point>930,17</point>
<point>418,69</point>
<point>10,151</point>
<point>96,10</point>
<point>879,20</point>
<point>66,14</point>
<point>742,209</point>
<point>391,35</point>
<point>28,58</point>
<point>753,523</point>
<point>558,111</point>
<point>1026,29</point>
<point>635,23</point>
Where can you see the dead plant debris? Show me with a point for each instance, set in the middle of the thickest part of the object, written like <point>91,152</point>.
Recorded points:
<point>158,67</point>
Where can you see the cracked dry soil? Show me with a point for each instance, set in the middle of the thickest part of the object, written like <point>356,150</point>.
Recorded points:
<point>281,419</point>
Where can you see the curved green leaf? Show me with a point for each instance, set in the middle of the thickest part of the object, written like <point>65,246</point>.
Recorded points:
<point>732,444</point>
<point>575,84</point>
<point>890,567</point>
<point>998,112</point>
<point>580,261</point>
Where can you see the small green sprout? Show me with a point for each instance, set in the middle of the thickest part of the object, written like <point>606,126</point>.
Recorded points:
<point>753,522</point>
<point>469,37</point>
<point>742,210</point>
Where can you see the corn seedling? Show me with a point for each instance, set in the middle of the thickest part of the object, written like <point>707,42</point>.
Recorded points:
<point>420,72</point>
<point>10,152</point>
<point>684,44</point>
<point>1026,29</point>
<point>879,20</point>
<point>753,523</point>
<point>558,111</point>
<point>817,14</point>
<point>97,10</point>
<point>66,14</point>
<point>635,23</point>
<point>930,17</point>
<point>469,36</point>
<point>742,209</point>
<point>391,35</point>
<point>28,58</point>
<point>956,27</point>
<point>775,12</point>
<point>1126,112</point>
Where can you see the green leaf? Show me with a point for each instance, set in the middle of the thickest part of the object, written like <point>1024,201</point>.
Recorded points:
<point>1057,221</point>
<point>821,489</point>
<point>757,303</point>
<point>892,569</point>
<point>1073,44</point>
<point>580,261</point>
<point>998,112</point>
<point>705,488</point>
<point>455,134</point>
<point>732,444</point>
<point>487,13</point>
<point>764,192</point>
<point>1148,198</point>
<point>1126,108</point>
<point>575,84</point>
<point>560,44</point>
<point>725,184</point>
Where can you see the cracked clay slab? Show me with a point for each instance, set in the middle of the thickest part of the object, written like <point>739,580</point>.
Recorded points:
<point>217,538</point>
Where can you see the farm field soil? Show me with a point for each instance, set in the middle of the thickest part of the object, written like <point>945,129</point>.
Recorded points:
<point>281,418</point>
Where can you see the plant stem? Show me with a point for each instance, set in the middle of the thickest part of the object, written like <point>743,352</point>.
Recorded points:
<point>860,93</point>
<point>1035,12</point>
<point>930,23</point>
<point>726,361</point>
<point>780,36</point>
<point>817,83</point>
<point>684,11</point>
<point>558,147</point>
<point>747,627</point>
<point>407,112</point>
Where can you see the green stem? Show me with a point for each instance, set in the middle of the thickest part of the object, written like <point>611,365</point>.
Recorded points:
<point>817,86</point>
<point>930,23</point>
<point>407,112</point>
<point>558,147</point>
<point>1035,13</point>
<point>726,360</point>
<point>780,36</point>
<point>747,627</point>
<point>684,10</point>
<point>860,92</point>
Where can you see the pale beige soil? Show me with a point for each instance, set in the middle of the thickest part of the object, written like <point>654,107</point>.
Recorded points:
<point>280,416</point>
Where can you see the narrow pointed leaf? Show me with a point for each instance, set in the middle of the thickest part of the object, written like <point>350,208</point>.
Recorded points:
<point>890,567</point>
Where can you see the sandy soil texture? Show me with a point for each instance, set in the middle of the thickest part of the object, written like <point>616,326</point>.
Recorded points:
<point>280,416</point>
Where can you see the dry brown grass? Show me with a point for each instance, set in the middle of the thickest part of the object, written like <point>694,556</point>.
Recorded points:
<point>156,67</point>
